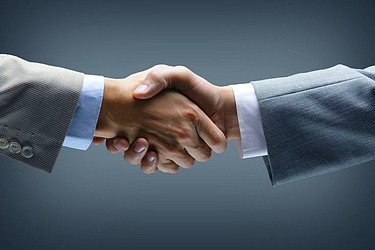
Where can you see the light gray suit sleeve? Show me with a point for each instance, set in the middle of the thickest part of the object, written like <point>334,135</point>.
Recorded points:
<point>37,103</point>
<point>318,122</point>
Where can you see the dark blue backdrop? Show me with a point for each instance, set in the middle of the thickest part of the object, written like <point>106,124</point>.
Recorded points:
<point>92,200</point>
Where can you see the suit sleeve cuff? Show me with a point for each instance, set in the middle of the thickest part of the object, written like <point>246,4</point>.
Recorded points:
<point>82,127</point>
<point>252,143</point>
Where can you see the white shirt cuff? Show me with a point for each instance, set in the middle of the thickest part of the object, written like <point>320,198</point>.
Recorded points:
<point>252,143</point>
<point>82,127</point>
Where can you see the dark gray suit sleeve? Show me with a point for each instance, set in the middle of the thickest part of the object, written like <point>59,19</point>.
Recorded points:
<point>318,122</point>
<point>37,103</point>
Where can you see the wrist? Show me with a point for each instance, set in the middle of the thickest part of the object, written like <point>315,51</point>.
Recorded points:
<point>104,127</point>
<point>232,129</point>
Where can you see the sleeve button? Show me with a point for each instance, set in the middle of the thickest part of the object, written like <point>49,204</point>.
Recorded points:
<point>4,143</point>
<point>14,147</point>
<point>27,152</point>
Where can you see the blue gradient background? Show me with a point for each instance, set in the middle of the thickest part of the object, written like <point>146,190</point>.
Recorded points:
<point>92,200</point>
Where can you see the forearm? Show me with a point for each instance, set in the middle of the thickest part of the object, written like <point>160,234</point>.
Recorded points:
<point>37,103</point>
<point>317,122</point>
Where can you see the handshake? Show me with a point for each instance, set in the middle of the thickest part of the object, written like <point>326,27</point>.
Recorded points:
<point>166,117</point>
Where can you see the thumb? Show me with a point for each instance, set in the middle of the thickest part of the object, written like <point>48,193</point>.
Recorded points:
<point>148,89</point>
<point>155,81</point>
<point>165,77</point>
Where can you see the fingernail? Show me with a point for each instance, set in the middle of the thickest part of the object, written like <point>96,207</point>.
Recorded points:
<point>116,144</point>
<point>139,148</point>
<point>141,88</point>
<point>150,158</point>
<point>119,145</point>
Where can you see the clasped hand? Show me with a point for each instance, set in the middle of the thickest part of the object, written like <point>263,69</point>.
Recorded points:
<point>164,129</point>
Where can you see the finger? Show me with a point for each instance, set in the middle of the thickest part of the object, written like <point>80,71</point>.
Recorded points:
<point>211,134</point>
<point>168,167</point>
<point>97,140</point>
<point>150,163</point>
<point>117,145</point>
<point>201,153</point>
<point>137,151</point>
<point>182,159</point>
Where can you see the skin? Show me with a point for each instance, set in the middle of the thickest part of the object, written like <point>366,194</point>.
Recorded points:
<point>177,131</point>
<point>217,102</point>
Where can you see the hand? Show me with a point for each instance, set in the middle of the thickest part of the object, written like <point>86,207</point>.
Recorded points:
<point>217,102</point>
<point>176,129</point>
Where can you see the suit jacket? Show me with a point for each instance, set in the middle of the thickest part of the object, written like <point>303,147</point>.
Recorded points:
<point>318,122</point>
<point>37,104</point>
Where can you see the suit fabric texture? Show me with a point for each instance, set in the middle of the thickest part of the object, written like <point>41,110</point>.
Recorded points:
<point>318,122</point>
<point>37,103</point>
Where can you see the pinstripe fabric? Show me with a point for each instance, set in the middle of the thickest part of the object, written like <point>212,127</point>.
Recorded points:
<point>318,122</point>
<point>37,103</point>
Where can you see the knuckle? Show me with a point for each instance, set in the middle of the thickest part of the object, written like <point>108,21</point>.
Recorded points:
<point>206,156</point>
<point>189,163</point>
<point>172,148</point>
<point>169,169</point>
<point>160,66</point>
<point>204,150</point>
<point>182,69</point>
<point>154,74</point>
<point>183,136</point>
<point>191,113</point>
<point>218,141</point>
<point>172,171</point>
<point>156,70</point>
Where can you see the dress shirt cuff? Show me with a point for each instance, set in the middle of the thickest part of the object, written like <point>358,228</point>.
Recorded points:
<point>82,127</point>
<point>252,143</point>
